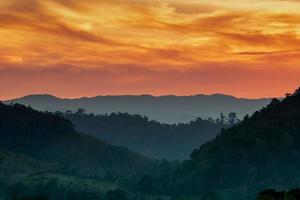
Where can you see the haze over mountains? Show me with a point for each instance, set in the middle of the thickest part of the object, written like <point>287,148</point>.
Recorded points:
<point>148,137</point>
<point>42,153</point>
<point>166,109</point>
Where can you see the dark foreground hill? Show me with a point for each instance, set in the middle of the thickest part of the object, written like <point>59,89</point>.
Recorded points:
<point>42,155</point>
<point>259,153</point>
<point>50,138</point>
<point>22,177</point>
<point>150,138</point>
<point>166,109</point>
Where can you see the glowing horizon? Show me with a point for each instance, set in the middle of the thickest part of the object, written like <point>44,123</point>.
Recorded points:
<point>69,48</point>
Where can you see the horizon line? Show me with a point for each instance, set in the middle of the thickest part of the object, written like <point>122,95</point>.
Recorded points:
<point>134,95</point>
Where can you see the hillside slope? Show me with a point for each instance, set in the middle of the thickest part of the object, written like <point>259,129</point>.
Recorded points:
<point>150,138</point>
<point>22,176</point>
<point>259,153</point>
<point>50,138</point>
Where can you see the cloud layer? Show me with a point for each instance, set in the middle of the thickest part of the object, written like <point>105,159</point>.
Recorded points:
<point>158,47</point>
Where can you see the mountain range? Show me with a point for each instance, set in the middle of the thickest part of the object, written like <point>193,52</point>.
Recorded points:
<point>38,148</point>
<point>148,137</point>
<point>42,153</point>
<point>165,109</point>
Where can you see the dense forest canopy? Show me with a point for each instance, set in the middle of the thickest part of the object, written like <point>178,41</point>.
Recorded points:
<point>41,152</point>
<point>49,137</point>
<point>271,194</point>
<point>260,152</point>
<point>149,137</point>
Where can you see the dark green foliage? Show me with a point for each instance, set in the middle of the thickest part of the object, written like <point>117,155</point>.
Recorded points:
<point>51,138</point>
<point>15,191</point>
<point>261,151</point>
<point>37,197</point>
<point>283,195</point>
<point>117,194</point>
<point>271,195</point>
<point>146,184</point>
<point>293,194</point>
<point>210,196</point>
<point>151,138</point>
<point>50,190</point>
<point>36,146</point>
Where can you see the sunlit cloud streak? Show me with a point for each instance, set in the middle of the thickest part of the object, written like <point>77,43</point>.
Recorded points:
<point>138,41</point>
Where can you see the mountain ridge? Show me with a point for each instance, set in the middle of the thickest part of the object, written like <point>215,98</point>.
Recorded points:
<point>138,95</point>
<point>166,109</point>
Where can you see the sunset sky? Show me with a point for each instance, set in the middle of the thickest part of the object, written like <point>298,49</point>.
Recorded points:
<point>72,48</point>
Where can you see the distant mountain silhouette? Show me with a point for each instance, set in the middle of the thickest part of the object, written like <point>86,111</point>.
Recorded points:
<point>167,109</point>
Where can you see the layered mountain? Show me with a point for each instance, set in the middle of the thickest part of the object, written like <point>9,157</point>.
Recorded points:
<point>50,138</point>
<point>259,153</point>
<point>150,138</point>
<point>167,109</point>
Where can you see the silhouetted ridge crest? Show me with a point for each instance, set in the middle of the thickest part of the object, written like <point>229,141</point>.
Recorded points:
<point>260,152</point>
<point>167,109</point>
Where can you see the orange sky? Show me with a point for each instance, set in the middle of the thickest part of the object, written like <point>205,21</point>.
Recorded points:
<point>71,48</point>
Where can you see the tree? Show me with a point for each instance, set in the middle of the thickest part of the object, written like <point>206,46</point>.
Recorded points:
<point>146,184</point>
<point>246,117</point>
<point>293,195</point>
<point>222,118</point>
<point>37,197</point>
<point>210,196</point>
<point>232,118</point>
<point>297,92</point>
<point>80,111</point>
<point>274,102</point>
<point>117,194</point>
<point>270,195</point>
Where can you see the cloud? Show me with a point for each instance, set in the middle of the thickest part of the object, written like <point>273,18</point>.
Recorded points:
<point>121,79</point>
<point>134,43</point>
<point>36,18</point>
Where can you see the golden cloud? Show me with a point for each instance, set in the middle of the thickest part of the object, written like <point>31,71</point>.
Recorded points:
<point>180,35</point>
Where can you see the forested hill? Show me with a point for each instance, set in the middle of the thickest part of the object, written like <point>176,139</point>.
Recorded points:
<point>165,109</point>
<point>259,153</point>
<point>51,138</point>
<point>151,138</point>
